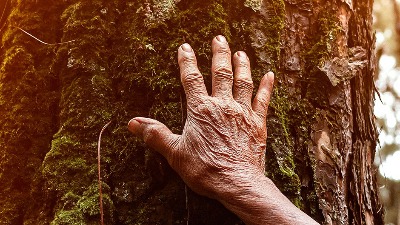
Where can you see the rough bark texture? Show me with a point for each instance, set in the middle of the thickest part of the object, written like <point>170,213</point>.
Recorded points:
<point>54,99</point>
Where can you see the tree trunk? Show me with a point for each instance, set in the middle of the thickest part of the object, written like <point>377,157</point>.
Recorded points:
<point>113,60</point>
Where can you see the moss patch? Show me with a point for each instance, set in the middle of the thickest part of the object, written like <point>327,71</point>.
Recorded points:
<point>324,41</point>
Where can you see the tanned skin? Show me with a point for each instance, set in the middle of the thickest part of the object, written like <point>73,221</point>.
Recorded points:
<point>221,151</point>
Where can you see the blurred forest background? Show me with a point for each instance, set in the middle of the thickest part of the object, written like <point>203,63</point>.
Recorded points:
<point>387,104</point>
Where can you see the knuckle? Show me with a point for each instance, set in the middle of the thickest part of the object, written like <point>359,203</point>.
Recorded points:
<point>202,109</point>
<point>191,76</point>
<point>244,82</point>
<point>223,71</point>
<point>187,60</point>
<point>262,102</point>
<point>189,70</point>
<point>224,50</point>
<point>192,84</point>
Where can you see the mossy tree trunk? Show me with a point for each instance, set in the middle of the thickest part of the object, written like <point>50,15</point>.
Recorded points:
<point>121,63</point>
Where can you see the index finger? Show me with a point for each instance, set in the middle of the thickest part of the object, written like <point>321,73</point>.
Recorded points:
<point>191,78</point>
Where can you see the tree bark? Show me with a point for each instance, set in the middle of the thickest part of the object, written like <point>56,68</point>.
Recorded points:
<point>113,60</point>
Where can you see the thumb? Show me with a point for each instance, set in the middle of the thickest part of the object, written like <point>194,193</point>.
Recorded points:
<point>155,134</point>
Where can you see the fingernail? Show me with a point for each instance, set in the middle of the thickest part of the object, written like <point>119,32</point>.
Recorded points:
<point>221,38</point>
<point>186,47</point>
<point>242,54</point>
<point>133,126</point>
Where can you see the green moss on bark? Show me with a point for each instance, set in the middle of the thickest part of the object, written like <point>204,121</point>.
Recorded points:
<point>280,145</point>
<point>28,101</point>
<point>324,41</point>
<point>86,104</point>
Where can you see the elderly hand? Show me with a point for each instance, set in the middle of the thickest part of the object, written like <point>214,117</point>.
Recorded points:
<point>221,152</point>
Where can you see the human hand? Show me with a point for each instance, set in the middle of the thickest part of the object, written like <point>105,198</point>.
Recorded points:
<point>221,152</point>
<point>223,142</point>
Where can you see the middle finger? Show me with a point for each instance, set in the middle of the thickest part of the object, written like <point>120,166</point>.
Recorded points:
<point>221,69</point>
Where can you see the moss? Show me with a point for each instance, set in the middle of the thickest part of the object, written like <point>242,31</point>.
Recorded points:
<point>281,105</point>
<point>280,144</point>
<point>65,169</point>
<point>159,10</point>
<point>78,209</point>
<point>27,100</point>
<point>321,48</point>
<point>86,97</point>
<point>274,25</point>
<point>324,41</point>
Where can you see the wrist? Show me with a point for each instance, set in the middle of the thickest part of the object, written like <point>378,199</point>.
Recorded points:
<point>259,201</point>
<point>250,200</point>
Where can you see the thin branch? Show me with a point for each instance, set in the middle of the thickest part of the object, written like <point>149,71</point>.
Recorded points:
<point>26,32</point>
<point>99,171</point>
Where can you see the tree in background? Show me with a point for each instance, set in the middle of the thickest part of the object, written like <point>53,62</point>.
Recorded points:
<point>69,67</point>
<point>387,25</point>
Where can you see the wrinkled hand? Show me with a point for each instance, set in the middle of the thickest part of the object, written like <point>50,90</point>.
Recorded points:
<point>222,147</point>
<point>221,152</point>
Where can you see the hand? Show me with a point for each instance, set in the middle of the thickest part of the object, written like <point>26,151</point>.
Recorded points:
<point>223,141</point>
<point>221,152</point>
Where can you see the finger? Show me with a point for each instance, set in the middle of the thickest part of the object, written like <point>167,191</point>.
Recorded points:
<point>221,68</point>
<point>261,101</point>
<point>191,78</point>
<point>155,134</point>
<point>242,82</point>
